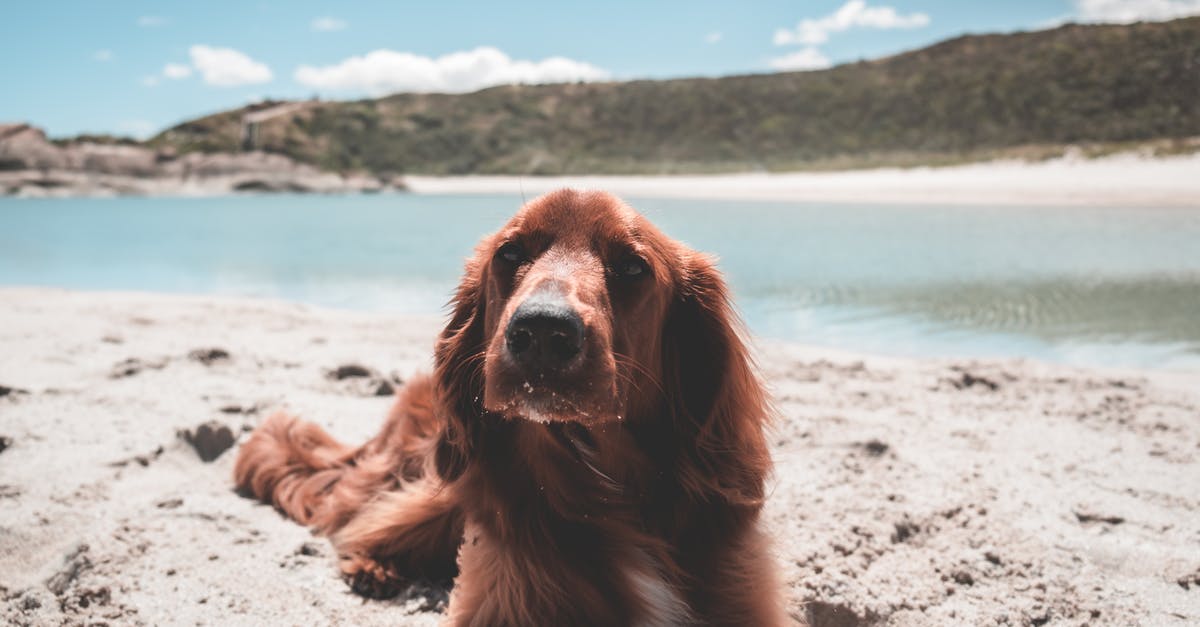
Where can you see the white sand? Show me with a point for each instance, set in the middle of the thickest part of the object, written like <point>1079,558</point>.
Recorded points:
<point>906,492</point>
<point>1121,180</point>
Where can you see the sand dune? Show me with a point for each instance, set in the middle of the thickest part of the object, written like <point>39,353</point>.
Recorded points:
<point>906,492</point>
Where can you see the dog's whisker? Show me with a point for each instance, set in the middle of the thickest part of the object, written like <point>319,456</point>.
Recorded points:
<point>625,360</point>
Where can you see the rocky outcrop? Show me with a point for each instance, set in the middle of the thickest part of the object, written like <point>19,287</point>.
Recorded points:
<point>31,165</point>
<point>23,147</point>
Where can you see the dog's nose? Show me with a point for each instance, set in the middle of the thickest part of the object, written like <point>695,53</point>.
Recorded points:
<point>544,334</point>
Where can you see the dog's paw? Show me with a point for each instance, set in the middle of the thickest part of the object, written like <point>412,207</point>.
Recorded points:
<point>369,578</point>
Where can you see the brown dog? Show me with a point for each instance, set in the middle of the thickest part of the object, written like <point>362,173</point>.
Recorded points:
<point>590,446</point>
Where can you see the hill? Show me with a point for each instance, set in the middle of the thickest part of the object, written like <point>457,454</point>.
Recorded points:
<point>967,98</point>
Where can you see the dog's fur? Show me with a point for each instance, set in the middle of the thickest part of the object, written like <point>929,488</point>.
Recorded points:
<point>624,491</point>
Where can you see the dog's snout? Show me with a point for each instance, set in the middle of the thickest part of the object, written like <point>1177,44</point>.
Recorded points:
<point>544,334</point>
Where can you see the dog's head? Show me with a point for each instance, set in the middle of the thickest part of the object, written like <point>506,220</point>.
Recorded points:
<point>579,310</point>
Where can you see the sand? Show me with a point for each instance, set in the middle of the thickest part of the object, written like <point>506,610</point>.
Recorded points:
<point>1127,179</point>
<point>907,492</point>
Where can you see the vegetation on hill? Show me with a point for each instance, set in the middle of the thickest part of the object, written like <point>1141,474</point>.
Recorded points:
<point>966,98</point>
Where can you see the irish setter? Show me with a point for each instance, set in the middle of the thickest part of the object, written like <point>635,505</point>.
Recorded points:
<point>590,449</point>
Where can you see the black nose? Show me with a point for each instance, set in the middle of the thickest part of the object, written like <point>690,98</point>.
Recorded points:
<point>544,334</point>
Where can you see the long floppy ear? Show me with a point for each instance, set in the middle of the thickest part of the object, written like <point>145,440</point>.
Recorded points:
<point>715,396</point>
<point>459,370</point>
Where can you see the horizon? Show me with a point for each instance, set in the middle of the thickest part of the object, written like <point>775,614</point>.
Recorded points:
<point>195,61</point>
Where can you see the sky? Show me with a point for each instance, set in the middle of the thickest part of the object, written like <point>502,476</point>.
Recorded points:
<point>134,68</point>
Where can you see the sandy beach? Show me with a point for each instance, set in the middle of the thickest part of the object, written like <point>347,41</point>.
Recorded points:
<point>1127,179</point>
<point>906,492</point>
<point>1130,179</point>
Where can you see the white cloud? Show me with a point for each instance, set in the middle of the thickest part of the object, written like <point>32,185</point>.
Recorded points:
<point>151,21</point>
<point>103,56</point>
<point>714,37</point>
<point>387,71</point>
<point>1126,11</point>
<point>226,67</point>
<point>139,129</point>
<point>809,58</point>
<point>327,24</point>
<point>150,81</point>
<point>853,14</point>
<point>176,71</point>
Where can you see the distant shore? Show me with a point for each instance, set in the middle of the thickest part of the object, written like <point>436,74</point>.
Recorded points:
<point>906,492</point>
<point>31,166</point>
<point>1127,179</point>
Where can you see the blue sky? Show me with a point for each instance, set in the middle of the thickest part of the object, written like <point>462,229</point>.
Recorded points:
<point>137,67</point>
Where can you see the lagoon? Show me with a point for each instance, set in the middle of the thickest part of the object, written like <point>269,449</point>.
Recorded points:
<point>1117,287</point>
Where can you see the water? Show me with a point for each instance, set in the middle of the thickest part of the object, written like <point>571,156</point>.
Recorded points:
<point>1090,286</point>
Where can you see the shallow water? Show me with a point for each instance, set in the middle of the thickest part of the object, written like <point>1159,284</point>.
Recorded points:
<point>1089,286</point>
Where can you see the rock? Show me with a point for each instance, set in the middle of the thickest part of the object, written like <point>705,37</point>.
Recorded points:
<point>239,409</point>
<point>875,448</point>
<point>5,442</point>
<point>208,356</point>
<point>350,371</point>
<point>33,166</point>
<point>384,388</point>
<point>364,381</point>
<point>1086,517</point>
<point>6,391</point>
<point>113,159</point>
<point>904,530</point>
<point>133,365</point>
<point>309,549</point>
<point>968,380</point>
<point>24,147</point>
<point>261,185</point>
<point>209,439</point>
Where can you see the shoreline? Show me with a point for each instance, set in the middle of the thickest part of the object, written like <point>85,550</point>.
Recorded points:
<point>1121,180</point>
<point>1136,358</point>
<point>1127,179</point>
<point>906,491</point>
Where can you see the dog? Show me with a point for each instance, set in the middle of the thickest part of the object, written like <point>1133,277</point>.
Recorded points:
<point>590,449</point>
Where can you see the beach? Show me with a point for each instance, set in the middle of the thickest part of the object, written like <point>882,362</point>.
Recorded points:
<point>1128,179</point>
<point>905,492</point>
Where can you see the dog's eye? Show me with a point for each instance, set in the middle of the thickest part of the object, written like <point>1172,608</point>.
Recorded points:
<point>630,267</point>
<point>511,252</point>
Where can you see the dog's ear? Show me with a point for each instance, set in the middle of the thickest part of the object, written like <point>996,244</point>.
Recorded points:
<point>716,399</point>
<point>459,369</point>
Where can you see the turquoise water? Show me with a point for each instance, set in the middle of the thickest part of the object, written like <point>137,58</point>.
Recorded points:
<point>1091,286</point>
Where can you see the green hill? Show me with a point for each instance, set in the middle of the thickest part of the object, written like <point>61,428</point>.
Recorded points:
<point>966,98</point>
